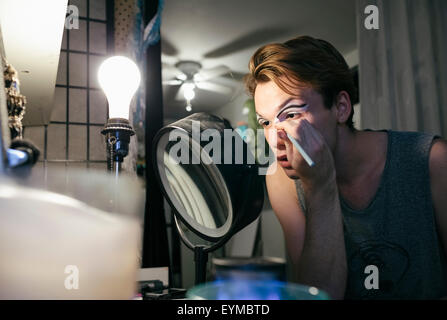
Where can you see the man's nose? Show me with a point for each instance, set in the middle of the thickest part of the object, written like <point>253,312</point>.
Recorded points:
<point>281,135</point>
<point>276,138</point>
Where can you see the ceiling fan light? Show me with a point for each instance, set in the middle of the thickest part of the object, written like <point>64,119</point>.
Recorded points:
<point>189,93</point>
<point>189,86</point>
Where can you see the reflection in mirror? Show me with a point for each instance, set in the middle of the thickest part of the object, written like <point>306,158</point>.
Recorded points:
<point>190,239</point>
<point>189,194</point>
<point>197,191</point>
<point>212,197</point>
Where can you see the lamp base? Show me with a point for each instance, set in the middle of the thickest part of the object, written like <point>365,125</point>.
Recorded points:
<point>117,132</point>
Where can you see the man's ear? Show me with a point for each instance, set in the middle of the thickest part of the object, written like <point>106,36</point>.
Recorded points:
<point>343,107</point>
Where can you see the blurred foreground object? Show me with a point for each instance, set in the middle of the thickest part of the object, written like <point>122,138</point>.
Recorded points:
<point>254,290</point>
<point>249,268</point>
<point>54,246</point>
<point>22,155</point>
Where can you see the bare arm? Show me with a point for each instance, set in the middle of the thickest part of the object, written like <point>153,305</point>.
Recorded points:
<point>315,243</point>
<point>438,183</point>
<point>323,259</point>
<point>284,201</point>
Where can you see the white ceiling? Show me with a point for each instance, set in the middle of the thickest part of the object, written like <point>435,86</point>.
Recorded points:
<point>212,32</point>
<point>32,36</point>
<point>215,32</point>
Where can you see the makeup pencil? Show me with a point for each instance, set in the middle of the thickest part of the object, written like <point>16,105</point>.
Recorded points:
<point>299,148</point>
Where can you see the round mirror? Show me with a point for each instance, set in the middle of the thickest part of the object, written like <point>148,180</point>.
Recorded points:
<point>197,191</point>
<point>212,192</point>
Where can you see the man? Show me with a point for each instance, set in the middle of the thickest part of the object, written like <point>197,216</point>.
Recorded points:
<point>374,202</point>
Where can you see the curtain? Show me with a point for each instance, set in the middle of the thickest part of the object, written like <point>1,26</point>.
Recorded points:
<point>403,66</point>
<point>128,29</point>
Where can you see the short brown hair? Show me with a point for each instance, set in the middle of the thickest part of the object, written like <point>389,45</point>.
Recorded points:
<point>303,60</point>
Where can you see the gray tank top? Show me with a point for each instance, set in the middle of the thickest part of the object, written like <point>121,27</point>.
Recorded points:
<point>397,231</point>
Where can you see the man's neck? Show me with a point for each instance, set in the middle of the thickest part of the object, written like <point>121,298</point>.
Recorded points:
<point>352,154</point>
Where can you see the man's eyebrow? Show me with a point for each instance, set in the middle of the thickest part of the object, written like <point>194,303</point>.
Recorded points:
<point>280,106</point>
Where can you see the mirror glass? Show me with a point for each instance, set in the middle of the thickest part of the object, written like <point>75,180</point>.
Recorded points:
<point>189,237</point>
<point>197,191</point>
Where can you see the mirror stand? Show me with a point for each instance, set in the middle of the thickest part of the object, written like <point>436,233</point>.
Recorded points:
<point>200,254</point>
<point>200,260</point>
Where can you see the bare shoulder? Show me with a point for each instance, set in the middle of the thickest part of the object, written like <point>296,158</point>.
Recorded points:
<point>438,170</point>
<point>438,184</point>
<point>438,157</point>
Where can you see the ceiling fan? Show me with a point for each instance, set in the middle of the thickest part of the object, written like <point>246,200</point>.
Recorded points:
<point>189,75</point>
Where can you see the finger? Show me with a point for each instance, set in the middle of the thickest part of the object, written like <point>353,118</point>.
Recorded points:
<point>303,140</point>
<point>318,140</point>
<point>305,133</point>
<point>288,127</point>
<point>299,140</point>
<point>273,136</point>
<point>293,128</point>
<point>282,135</point>
<point>311,129</point>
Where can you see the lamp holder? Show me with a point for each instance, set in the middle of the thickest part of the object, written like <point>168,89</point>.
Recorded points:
<point>117,132</point>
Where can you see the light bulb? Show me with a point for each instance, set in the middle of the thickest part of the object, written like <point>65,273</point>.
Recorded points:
<point>188,92</point>
<point>119,78</point>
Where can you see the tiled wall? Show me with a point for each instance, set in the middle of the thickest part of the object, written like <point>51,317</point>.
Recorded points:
<point>73,138</point>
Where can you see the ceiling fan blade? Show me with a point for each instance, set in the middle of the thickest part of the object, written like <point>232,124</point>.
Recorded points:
<point>167,47</point>
<point>173,82</point>
<point>180,93</point>
<point>210,86</point>
<point>251,39</point>
<point>169,72</point>
<point>234,75</point>
<point>206,74</point>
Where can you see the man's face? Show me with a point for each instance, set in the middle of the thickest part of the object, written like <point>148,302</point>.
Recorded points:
<point>270,100</point>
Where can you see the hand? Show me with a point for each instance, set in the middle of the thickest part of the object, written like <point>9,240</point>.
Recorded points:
<point>315,146</point>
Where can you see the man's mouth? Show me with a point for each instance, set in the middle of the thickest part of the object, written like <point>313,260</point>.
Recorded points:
<point>282,158</point>
<point>283,161</point>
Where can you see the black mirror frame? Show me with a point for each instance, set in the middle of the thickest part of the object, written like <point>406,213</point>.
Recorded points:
<point>243,182</point>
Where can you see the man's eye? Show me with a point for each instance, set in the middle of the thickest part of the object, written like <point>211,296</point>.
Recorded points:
<point>292,115</point>
<point>264,123</point>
